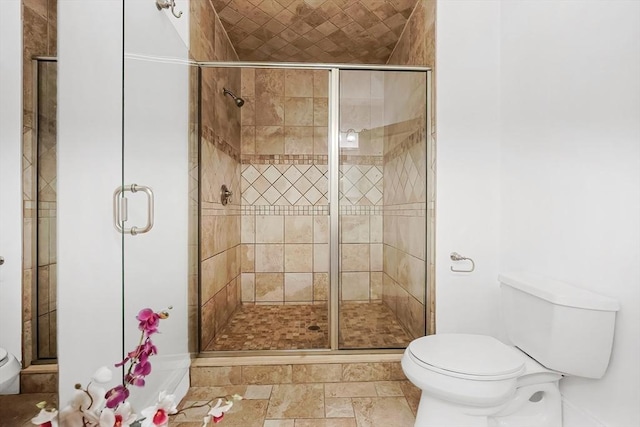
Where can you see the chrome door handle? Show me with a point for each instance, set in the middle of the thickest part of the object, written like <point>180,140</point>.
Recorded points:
<point>120,209</point>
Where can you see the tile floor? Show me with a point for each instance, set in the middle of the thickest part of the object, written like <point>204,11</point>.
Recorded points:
<point>286,327</point>
<point>335,404</point>
<point>346,404</point>
<point>17,410</point>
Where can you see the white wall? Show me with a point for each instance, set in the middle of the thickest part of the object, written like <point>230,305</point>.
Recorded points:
<point>89,169</point>
<point>539,143</point>
<point>468,164</point>
<point>571,170</point>
<point>11,177</point>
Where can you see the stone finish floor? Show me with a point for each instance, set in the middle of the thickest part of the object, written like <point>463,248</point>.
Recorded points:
<point>286,327</point>
<point>17,410</point>
<point>346,404</point>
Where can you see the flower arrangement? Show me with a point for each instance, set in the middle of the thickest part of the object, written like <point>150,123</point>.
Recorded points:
<point>92,406</point>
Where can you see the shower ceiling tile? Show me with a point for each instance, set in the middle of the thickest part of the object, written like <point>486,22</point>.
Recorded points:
<point>354,31</point>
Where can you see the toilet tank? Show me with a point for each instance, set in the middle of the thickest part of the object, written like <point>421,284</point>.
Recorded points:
<point>564,328</point>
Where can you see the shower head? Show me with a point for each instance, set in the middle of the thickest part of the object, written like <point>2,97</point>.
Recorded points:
<point>239,101</point>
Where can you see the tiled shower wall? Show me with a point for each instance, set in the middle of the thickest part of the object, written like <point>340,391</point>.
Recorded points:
<point>361,186</point>
<point>417,46</point>
<point>219,164</point>
<point>39,39</point>
<point>284,251</point>
<point>405,194</point>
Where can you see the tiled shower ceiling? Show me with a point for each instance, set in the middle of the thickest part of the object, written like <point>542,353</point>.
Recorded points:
<point>340,31</point>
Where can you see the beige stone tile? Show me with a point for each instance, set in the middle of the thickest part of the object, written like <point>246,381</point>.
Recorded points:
<point>247,229</point>
<point>330,422</point>
<point>208,393</point>
<point>382,411</point>
<point>269,258</point>
<point>338,407</point>
<point>355,286</point>
<point>257,392</point>
<point>296,401</point>
<point>269,140</point>
<point>320,286</point>
<point>321,229</point>
<point>298,111</point>
<point>214,275</point>
<point>248,287</point>
<point>320,112</point>
<point>279,423</point>
<point>375,285</point>
<point>248,254</point>
<point>317,373</point>
<point>270,111</point>
<point>298,287</point>
<point>212,376</point>
<point>270,229</point>
<point>320,138</point>
<point>389,388</point>
<point>248,137</point>
<point>298,229</point>
<point>298,258</point>
<point>412,394</point>
<point>246,413</point>
<point>375,256</point>
<point>354,257</point>
<point>270,287</point>
<point>366,371</point>
<point>248,82</point>
<point>350,389</point>
<point>321,257</point>
<point>354,229</point>
<point>298,83</point>
<point>320,83</point>
<point>268,374</point>
<point>269,81</point>
<point>298,140</point>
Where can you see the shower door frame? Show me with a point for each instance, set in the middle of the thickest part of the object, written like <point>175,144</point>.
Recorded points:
<point>333,193</point>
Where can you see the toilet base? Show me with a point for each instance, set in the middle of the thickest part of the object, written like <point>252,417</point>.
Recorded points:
<point>433,412</point>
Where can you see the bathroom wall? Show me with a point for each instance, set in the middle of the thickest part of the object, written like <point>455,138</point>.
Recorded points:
<point>219,164</point>
<point>285,251</point>
<point>11,320</point>
<point>405,195</point>
<point>39,177</point>
<point>571,173</point>
<point>537,165</point>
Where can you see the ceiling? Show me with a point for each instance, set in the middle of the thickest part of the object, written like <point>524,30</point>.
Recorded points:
<point>329,31</point>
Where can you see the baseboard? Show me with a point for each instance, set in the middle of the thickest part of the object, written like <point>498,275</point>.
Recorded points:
<point>574,416</point>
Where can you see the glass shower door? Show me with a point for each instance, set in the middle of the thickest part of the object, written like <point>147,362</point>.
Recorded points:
<point>382,205</point>
<point>156,166</point>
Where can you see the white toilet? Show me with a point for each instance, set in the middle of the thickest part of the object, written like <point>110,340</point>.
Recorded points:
<point>9,373</point>
<point>477,381</point>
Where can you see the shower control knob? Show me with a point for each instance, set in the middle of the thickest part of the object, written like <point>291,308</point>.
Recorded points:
<point>225,195</point>
<point>1,260</point>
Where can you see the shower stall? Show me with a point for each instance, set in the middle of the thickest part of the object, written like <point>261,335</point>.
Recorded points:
<point>309,204</point>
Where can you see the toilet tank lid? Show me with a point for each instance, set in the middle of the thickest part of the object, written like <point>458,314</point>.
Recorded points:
<point>557,292</point>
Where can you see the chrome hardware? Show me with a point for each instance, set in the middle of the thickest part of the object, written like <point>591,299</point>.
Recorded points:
<point>455,256</point>
<point>166,4</point>
<point>225,195</point>
<point>120,209</point>
<point>1,260</point>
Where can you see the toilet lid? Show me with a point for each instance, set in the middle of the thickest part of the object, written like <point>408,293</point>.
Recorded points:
<point>478,355</point>
<point>3,356</point>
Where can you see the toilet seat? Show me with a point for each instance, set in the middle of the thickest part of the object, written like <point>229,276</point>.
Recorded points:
<point>477,357</point>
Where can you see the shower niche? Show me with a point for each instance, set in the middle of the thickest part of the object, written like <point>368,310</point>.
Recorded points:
<point>322,244</point>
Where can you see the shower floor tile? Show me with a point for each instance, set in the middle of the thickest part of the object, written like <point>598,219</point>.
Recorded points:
<point>286,327</point>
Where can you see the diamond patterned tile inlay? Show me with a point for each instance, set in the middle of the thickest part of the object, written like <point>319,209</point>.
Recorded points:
<point>361,185</point>
<point>284,185</point>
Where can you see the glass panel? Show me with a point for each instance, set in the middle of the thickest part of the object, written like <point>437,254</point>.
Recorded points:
<point>382,202</point>
<point>156,155</point>
<point>47,206</point>
<point>264,255</point>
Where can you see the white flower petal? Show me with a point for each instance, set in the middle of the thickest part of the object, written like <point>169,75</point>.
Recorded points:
<point>44,416</point>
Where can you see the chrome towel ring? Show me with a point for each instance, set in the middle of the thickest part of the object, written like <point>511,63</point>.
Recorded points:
<point>455,256</point>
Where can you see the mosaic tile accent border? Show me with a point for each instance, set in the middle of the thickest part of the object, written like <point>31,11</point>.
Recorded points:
<point>346,159</point>
<point>409,209</point>
<point>316,210</point>
<point>360,210</point>
<point>416,137</point>
<point>284,159</point>
<point>222,145</point>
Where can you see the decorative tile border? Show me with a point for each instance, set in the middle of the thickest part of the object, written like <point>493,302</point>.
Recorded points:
<point>266,210</point>
<point>220,143</point>
<point>346,159</point>
<point>408,209</point>
<point>284,159</point>
<point>416,137</point>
